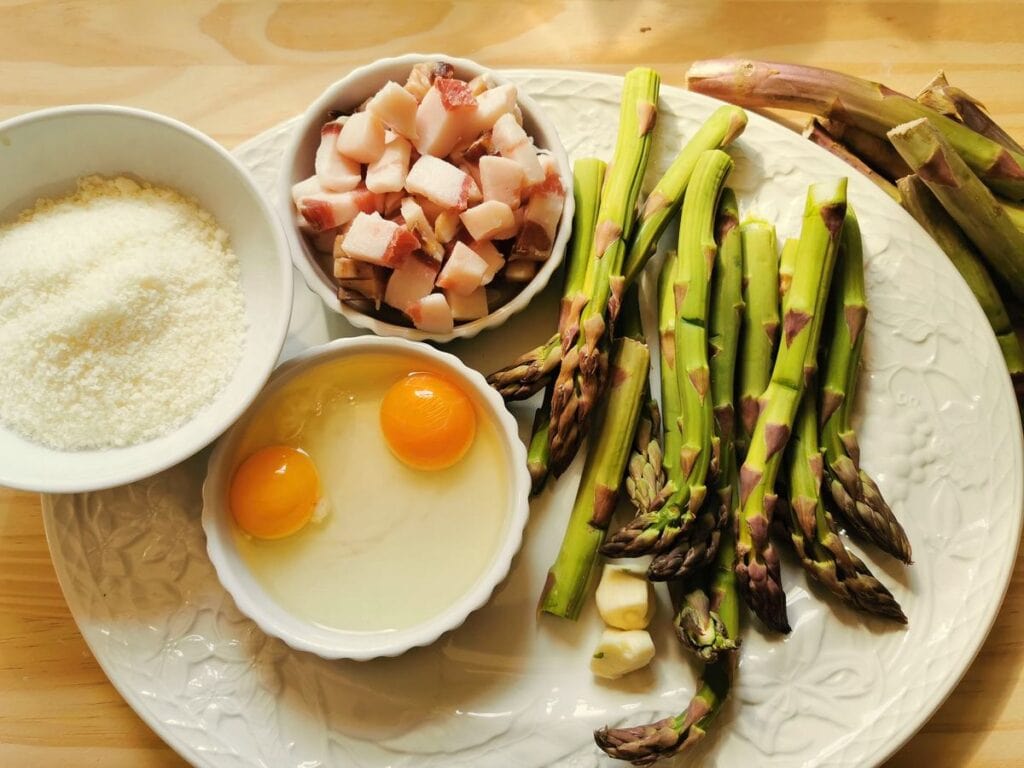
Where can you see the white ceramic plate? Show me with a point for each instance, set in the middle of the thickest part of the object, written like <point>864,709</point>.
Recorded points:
<point>940,432</point>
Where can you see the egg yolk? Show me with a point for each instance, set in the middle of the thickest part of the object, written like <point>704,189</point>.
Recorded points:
<point>428,422</point>
<point>274,492</point>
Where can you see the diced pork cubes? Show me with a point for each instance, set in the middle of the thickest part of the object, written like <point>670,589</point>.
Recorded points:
<point>327,210</point>
<point>334,171</point>
<point>490,220</point>
<point>469,306</point>
<point>492,104</point>
<point>410,282</point>
<point>445,116</point>
<point>396,108</point>
<point>511,141</point>
<point>377,240</point>
<point>416,221</point>
<point>361,138</point>
<point>491,256</point>
<point>387,173</point>
<point>463,272</point>
<point>432,314</point>
<point>501,179</point>
<point>440,182</point>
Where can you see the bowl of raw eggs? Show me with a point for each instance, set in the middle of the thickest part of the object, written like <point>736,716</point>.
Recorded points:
<point>369,500</point>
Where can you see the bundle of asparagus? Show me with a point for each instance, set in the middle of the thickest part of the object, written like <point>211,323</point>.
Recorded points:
<point>942,143</point>
<point>703,478</point>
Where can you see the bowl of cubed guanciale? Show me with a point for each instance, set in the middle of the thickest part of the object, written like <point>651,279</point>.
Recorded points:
<point>426,197</point>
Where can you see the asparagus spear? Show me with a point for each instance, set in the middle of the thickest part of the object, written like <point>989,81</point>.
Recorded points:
<point>695,551</point>
<point>814,533</point>
<point>959,105</point>
<point>566,584</point>
<point>854,492</point>
<point>817,133</point>
<point>646,744</point>
<point>860,103</point>
<point>760,322</point>
<point>923,206</point>
<point>757,568</point>
<point>875,151</point>
<point>532,371</point>
<point>686,402</point>
<point>787,261</point>
<point>538,455</point>
<point>699,628</point>
<point>966,199</point>
<point>587,329</point>
<point>719,131</point>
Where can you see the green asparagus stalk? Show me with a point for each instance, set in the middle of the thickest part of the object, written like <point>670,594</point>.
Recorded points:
<point>757,567</point>
<point>854,492</point>
<point>860,103</point>
<point>959,105</point>
<point>966,199</point>
<point>566,585</point>
<point>645,475</point>
<point>646,744</point>
<point>719,131</point>
<point>538,454</point>
<point>587,330</point>
<point>760,322</point>
<point>875,151</point>
<point>529,373</point>
<point>697,550</point>
<point>787,262</point>
<point>816,133</point>
<point>814,533</point>
<point>701,629</point>
<point>686,401</point>
<point>923,206</point>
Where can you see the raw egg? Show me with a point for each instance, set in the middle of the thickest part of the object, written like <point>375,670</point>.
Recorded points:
<point>274,492</point>
<point>428,422</point>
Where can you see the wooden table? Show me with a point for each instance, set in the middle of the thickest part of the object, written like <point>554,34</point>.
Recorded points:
<point>235,69</point>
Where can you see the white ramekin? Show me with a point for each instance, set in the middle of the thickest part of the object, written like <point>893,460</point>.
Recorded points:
<point>274,619</point>
<point>42,154</point>
<point>348,93</point>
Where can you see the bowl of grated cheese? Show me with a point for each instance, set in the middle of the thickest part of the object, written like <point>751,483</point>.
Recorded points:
<point>145,295</point>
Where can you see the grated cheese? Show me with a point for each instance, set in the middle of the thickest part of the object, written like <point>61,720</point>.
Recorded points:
<point>121,315</point>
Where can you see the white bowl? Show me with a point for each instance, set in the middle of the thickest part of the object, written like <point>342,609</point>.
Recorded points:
<point>348,93</point>
<point>42,154</point>
<point>275,620</point>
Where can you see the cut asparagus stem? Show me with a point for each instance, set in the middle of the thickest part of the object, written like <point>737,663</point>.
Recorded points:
<point>719,131</point>
<point>588,328</point>
<point>760,322</point>
<point>860,103</point>
<point>757,567</point>
<point>566,585</point>
<point>855,494</point>
<point>966,199</point>
<point>814,533</point>
<point>875,151</point>
<point>959,105</point>
<point>700,629</point>
<point>646,744</point>
<point>923,206</point>
<point>816,133</point>
<point>529,373</point>
<point>686,401</point>
<point>695,551</point>
<point>537,456</point>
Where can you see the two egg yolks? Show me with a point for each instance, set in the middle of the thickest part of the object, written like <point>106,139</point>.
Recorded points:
<point>428,423</point>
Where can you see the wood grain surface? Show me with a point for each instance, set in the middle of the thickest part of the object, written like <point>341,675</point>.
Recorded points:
<point>234,69</point>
